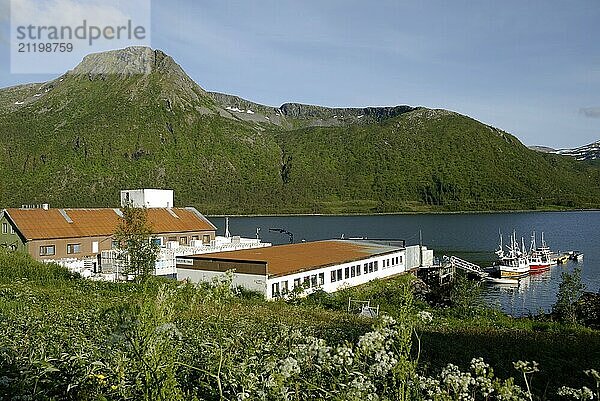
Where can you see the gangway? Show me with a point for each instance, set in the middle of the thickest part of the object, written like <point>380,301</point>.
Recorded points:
<point>469,267</point>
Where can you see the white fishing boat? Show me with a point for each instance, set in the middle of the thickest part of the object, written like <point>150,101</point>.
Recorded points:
<point>546,254</point>
<point>514,263</point>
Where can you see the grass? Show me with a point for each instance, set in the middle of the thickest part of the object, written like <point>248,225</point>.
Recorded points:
<point>64,334</point>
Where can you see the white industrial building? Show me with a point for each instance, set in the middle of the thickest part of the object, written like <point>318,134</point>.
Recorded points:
<point>148,198</point>
<point>328,265</point>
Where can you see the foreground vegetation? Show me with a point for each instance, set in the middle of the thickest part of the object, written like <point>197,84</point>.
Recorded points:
<point>68,338</point>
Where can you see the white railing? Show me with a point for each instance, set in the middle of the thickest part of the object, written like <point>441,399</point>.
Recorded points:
<point>467,266</point>
<point>112,261</point>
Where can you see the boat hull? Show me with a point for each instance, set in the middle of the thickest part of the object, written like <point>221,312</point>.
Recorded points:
<point>504,273</point>
<point>536,267</point>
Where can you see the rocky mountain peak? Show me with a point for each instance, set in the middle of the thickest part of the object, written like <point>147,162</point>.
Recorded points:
<point>134,60</point>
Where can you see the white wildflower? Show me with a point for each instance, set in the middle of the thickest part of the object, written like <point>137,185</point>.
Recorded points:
<point>425,317</point>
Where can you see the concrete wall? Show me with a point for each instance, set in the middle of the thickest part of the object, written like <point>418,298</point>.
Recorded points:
<point>147,197</point>
<point>250,281</point>
<point>418,256</point>
<point>413,258</point>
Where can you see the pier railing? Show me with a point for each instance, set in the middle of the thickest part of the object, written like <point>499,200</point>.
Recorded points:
<point>469,267</point>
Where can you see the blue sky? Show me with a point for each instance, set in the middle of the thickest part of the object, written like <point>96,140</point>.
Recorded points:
<point>531,68</point>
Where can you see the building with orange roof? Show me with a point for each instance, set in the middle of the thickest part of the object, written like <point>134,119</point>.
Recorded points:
<point>276,271</point>
<point>54,234</point>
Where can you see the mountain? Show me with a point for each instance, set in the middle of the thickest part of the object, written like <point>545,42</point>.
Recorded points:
<point>586,152</point>
<point>543,149</point>
<point>133,118</point>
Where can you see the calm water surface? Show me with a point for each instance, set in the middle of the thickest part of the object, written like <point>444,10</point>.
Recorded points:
<point>470,236</point>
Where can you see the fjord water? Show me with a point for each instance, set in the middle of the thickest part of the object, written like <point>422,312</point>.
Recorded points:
<point>473,237</point>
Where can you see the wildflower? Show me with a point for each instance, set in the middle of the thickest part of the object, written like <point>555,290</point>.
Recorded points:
<point>479,367</point>
<point>578,394</point>
<point>289,366</point>
<point>526,366</point>
<point>593,373</point>
<point>457,381</point>
<point>425,317</point>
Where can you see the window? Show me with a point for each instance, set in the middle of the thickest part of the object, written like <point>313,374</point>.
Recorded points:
<point>366,266</point>
<point>321,278</point>
<point>275,289</point>
<point>183,241</point>
<point>12,230</point>
<point>206,239</point>
<point>4,228</point>
<point>171,239</point>
<point>306,281</point>
<point>352,271</point>
<point>284,287</point>
<point>375,266</point>
<point>115,244</point>
<point>296,282</point>
<point>73,248</point>
<point>339,274</point>
<point>333,276</point>
<point>313,280</point>
<point>370,267</point>
<point>47,250</point>
<point>347,272</point>
<point>195,238</point>
<point>358,270</point>
<point>400,259</point>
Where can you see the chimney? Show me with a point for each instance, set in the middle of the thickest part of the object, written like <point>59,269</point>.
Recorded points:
<point>45,206</point>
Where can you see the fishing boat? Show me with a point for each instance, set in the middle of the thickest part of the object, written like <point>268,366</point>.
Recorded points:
<point>544,251</point>
<point>576,256</point>
<point>539,259</point>
<point>514,263</point>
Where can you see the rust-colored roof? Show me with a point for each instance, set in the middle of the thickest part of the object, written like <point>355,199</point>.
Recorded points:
<point>73,223</point>
<point>295,258</point>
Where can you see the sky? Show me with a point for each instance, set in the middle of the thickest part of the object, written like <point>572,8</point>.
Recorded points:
<point>531,68</point>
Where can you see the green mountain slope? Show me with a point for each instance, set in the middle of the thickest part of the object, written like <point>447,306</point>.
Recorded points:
<point>101,127</point>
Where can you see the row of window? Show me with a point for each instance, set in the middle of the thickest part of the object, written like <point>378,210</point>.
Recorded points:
<point>281,288</point>
<point>312,281</point>
<point>50,250</point>
<point>5,228</point>
<point>183,241</point>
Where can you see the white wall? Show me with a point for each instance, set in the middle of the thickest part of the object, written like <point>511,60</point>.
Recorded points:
<point>330,286</point>
<point>250,281</point>
<point>264,285</point>
<point>148,197</point>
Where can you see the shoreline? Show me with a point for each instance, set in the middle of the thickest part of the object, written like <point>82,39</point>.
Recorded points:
<point>405,213</point>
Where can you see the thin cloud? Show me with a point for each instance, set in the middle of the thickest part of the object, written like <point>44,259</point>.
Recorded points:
<point>590,112</point>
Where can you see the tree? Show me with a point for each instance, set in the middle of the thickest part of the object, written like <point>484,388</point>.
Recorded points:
<point>133,234</point>
<point>569,291</point>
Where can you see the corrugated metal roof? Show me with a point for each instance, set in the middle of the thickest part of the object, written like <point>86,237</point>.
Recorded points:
<point>73,223</point>
<point>295,258</point>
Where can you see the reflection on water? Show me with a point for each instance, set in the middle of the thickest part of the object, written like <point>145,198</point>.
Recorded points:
<point>530,295</point>
<point>473,237</point>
